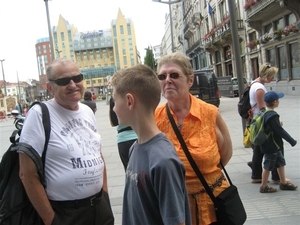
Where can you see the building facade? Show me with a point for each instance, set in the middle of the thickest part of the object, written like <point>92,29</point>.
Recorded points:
<point>43,56</point>
<point>273,36</point>
<point>268,31</point>
<point>98,53</point>
<point>63,35</point>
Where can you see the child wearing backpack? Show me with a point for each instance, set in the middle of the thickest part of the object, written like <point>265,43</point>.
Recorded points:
<point>273,147</point>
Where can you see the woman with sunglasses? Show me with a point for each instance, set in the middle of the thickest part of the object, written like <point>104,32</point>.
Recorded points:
<point>256,94</point>
<point>203,129</point>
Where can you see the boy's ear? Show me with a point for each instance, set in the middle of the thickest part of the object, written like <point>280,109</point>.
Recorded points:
<point>130,100</point>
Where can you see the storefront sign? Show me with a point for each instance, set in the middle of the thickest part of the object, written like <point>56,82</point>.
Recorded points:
<point>91,34</point>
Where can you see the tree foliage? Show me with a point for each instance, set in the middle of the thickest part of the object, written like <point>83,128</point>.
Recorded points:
<point>149,59</point>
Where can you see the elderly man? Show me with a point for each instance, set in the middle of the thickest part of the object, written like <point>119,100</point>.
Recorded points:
<point>75,174</point>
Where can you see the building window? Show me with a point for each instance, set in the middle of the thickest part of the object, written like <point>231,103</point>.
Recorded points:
<point>114,31</point>
<point>218,56</point>
<point>128,29</point>
<point>271,56</point>
<point>279,24</point>
<point>252,40</point>
<point>69,36</point>
<point>55,36</point>
<point>295,60</point>
<point>219,70</point>
<point>291,18</point>
<point>223,10</point>
<point>62,36</point>
<point>268,29</point>
<point>121,29</point>
<point>283,72</point>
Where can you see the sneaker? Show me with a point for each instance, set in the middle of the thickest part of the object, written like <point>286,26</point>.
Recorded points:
<point>288,186</point>
<point>267,189</point>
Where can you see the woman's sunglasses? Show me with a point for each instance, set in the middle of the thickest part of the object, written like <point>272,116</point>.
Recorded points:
<point>65,81</point>
<point>172,76</point>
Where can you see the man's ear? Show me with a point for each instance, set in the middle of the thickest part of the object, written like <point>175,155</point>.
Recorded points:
<point>50,88</point>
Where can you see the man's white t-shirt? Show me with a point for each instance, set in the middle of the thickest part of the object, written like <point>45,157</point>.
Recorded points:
<point>74,167</point>
<point>253,102</point>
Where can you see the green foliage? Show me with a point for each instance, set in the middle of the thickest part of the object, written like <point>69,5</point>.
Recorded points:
<point>149,59</point>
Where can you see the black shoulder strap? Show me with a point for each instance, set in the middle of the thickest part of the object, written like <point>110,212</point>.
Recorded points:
<point>47,127</point>
<point>192,161</point>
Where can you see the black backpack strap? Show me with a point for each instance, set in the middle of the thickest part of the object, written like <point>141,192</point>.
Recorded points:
<point>47,127</point>
<point>13,136</point>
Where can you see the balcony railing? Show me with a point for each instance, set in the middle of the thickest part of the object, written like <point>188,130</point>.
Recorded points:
<point>258,7</point>
<point>223,29</point>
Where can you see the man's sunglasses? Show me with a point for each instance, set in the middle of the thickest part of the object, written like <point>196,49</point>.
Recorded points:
<point>172,76</point>
<point>65,81</point>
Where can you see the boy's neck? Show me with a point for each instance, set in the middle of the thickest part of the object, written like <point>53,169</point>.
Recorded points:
<point>145,128</point>
<point>271,108</point>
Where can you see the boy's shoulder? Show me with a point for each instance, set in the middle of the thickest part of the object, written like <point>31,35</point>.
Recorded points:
<point>270,113</point>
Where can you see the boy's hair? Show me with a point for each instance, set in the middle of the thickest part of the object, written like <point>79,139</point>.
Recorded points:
<point>141,81</point>
<point>180,59</point>
<point>270,104</point>
<point>266,71</point>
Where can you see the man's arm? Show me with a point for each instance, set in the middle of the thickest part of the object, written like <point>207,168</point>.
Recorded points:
<point>34,189</point>
<point>224,140</point>
<point>105,186</point>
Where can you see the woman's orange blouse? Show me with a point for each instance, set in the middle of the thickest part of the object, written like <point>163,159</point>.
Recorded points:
<point>199,132</point>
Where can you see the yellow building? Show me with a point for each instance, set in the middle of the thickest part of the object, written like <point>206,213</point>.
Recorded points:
<point>124,42</point>
<point>63,35</point>
<point>98,53</point>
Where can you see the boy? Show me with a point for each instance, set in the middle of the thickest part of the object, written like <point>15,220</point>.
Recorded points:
<point>155,191</point>
<point>273,147</point>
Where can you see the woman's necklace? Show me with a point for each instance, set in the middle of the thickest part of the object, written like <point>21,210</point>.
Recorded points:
<point>179,125</point>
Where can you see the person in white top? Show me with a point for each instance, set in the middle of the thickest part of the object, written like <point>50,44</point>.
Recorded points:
<point>75,174</point>
<point>256,94</point>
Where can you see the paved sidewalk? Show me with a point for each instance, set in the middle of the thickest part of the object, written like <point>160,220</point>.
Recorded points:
<point>276,208</point>
<point>282,207</point>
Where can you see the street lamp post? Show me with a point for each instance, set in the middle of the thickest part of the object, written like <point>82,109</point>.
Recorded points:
<point>170,2</point>
<point>49,30</point>
<point>4,82</point>
<point>236,50</point>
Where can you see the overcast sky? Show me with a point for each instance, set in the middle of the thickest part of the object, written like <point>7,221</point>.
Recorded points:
<point>23,22</point>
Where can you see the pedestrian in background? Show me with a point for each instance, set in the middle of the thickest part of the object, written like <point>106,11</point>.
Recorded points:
<point>19,107</point>
<point>155,190</point>
<point>75,172</point>
<point>94,97</point>
<point>256,95</point>
<point>273,147</point>
<point>87,100</point>
<point>203,130</point>
<point>25,110</point>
